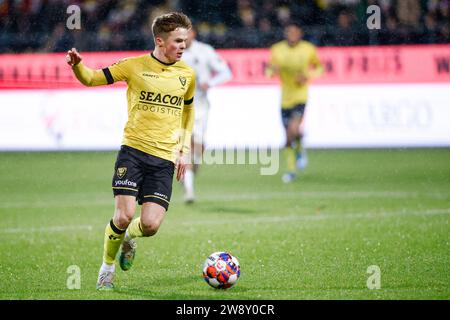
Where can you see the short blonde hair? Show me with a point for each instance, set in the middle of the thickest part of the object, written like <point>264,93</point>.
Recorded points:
<point>168,22</point>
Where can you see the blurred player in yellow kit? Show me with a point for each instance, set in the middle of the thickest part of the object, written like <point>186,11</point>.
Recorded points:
<point>157,136</point>
<point>296,62</point>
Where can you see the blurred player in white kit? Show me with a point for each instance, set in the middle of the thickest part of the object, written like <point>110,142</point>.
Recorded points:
<point>211,70</point>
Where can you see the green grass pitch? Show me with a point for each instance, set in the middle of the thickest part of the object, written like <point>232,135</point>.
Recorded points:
<point>312,239</point>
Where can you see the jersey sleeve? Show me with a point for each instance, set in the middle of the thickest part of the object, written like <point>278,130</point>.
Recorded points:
<point>189,95</point>
<point>119,71</point>
<point>89,77</point>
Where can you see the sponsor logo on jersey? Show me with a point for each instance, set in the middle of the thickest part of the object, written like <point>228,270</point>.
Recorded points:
<point>167,99</point>
<point>171,111</point>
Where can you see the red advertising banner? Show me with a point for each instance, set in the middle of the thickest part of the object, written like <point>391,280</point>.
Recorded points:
<point>355,65</point>
<point>343,65</point>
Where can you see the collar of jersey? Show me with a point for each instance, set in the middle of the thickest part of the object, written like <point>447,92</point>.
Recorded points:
<point>166,64</point>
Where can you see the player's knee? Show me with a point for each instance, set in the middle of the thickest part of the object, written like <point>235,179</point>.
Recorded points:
<point>123,220</point>
<point>149,228</point>
<point>291,137</point>
<point>293,131</point>
<point>124,215</point>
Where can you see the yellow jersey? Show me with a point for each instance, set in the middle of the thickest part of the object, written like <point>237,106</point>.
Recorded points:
<point>158,94</point>
<point>292,61</point>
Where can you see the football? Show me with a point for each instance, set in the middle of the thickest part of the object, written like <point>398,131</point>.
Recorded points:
<point>221,270</point>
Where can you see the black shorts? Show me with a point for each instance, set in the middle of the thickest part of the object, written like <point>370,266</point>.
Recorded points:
<point>287,114</point>
<point>144,176</point>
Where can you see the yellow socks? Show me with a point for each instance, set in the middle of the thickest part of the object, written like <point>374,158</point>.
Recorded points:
<point>299,146</point>
<point>134,229</point>
<point>113,239</point>
<point>291,158</point>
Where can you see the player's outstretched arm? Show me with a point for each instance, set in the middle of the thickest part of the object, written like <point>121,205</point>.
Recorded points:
<point>85,75</point>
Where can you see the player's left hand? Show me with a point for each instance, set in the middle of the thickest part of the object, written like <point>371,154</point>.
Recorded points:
<point>180,166</point>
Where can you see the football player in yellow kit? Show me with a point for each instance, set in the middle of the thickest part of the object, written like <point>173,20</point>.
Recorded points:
<point>296,62</point>
<point>156,140</point>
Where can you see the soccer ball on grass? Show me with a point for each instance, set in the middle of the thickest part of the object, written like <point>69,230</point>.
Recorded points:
<point>221,270</point>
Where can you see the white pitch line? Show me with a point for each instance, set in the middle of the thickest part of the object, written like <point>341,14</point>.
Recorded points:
<point>53,203</point>
<point>320,216</point>
<point>46,229</point>
<point>321,194</point>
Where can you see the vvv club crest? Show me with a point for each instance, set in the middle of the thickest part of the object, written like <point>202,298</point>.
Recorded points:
<point>182,80</point>
<point>121,172</point>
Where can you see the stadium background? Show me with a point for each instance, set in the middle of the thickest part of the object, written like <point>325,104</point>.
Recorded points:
<point>386,88</point>
<point>346,109</point>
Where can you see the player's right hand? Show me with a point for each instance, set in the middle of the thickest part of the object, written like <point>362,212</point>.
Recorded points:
<point>73,57</point>
<point>180,165</point>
